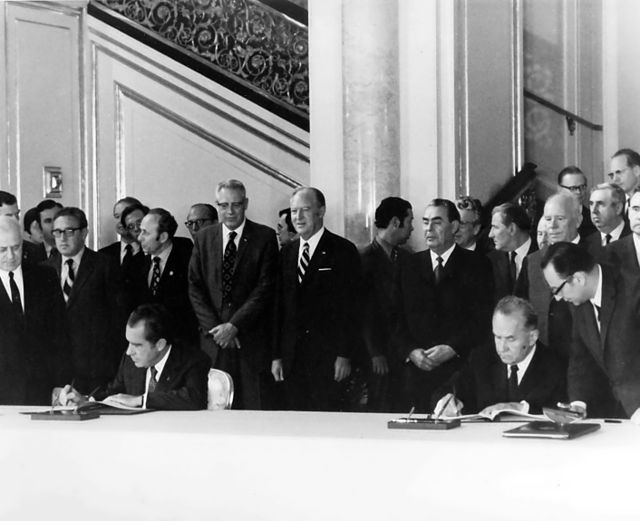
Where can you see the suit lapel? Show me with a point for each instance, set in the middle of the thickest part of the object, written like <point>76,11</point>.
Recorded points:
<point>244,242</point>
<point>87,265</point>
<point>531,377</point>
<point>591,331</point>
<point>607,305</point>
<point>319,257</point>
<point>169,371</point>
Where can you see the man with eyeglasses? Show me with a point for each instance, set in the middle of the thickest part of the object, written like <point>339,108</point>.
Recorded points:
<point>31,253</point>
<point>200,216</point>
<point>606,203</point>
<point>231,285</point>
<point>87,285</point>
<point>572,181</point>
<point>562,217</point>
<point>604,365</point>
<point>33,335</point>
<point>624,170</point>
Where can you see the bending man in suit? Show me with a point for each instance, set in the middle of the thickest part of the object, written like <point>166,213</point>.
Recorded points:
<point>604,366</point>
<point>33,335</point>
<point>511,234</point>
<point>382,303</point>
<point>448,298</point>
<point>519,374</point>
<point>231,285</point>
<point>155,372</point>
<point>88,289</point>
<point>317,304</point>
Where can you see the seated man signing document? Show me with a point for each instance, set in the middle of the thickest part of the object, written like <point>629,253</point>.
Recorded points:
<point>524,376</point>
<point>154,373</point>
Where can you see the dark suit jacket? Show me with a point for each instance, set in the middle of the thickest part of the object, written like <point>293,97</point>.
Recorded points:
<point>90,313</point>
<point>252,289</point>
<point>500,267</point>
<point>173,290</point>
<point>621,254</point>
<point>457,312</point>
<point>382,301</point>
<point>33,358</point>
<point>182,384</point>
<point>594,246</point>
<point>319,318</point>
<point>32,253</point>
<point>483,381</point>
<point>613,351</point>
<point>586,226</point>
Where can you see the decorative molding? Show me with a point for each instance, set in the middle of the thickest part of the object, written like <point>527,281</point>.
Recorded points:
<point>122,91</point>
<point>147,71</point>
<point>242,44</point>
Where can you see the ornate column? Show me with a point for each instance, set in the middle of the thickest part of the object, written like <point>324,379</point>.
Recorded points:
<point>370,111</point>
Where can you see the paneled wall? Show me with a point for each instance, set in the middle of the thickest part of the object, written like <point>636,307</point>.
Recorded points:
<point>121,119</point>
<point>41,100</point>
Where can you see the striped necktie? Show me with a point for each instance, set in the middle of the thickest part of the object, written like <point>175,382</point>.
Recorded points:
<point>303,263</point>
<point>152,381</point>
<point>71,277</point>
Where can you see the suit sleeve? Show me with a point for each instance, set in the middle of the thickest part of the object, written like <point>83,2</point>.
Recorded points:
<point>191,394</point>
<point>372,317</point>
<point>198,294</point>
<point>349,304</point>
<point>260,300</point>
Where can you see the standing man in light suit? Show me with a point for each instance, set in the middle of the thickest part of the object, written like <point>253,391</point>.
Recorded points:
<point>231,285</point>
<point>318,306</point>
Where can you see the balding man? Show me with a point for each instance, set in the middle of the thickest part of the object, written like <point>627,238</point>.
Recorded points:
<point>318,305</point>
<point>562,216</point>
<point>32,329</point>
<point>606,203</point>
<point>200,216</point>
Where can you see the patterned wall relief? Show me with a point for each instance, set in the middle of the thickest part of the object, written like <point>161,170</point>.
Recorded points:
<point>246,40</point>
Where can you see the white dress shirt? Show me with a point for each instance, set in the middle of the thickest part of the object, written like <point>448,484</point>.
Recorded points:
<point>18,279</point>
<point>445,257</point>
<point>159,368</point>
<point>523,365</point>
<point>164,255</point>
<point>225,235</point>
<point>313,243</point>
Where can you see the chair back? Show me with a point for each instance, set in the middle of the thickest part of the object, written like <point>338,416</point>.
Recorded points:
<point>220,395</point>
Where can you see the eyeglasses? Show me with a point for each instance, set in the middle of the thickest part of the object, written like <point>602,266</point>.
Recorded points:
<point>134,226</point>
<point>612,175</point>
<point>469,203</point>
<point>196,222</point>
<point>577,188</point>
<point>556,291</point>
<point>67,232</point>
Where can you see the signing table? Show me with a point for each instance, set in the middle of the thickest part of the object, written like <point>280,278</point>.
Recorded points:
<point>259,465</point>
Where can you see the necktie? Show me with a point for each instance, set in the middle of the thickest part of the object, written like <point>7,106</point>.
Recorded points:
<point>513,271</point>
<point>228,265</point>
<point>128,255</point>
<point>16,301</point>
<point>71,277</point>
<point>152,381</point>
<point>607,239</point>
<point>303,263</point>
<point>513,383</point>
<point>394,254</point>
<point>439,271</point>
<point>155,276</point>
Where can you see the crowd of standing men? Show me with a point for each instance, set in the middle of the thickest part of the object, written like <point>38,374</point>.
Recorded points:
<point>503,316</point>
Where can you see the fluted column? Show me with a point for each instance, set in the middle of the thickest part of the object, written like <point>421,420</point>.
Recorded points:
<point>370,111</point>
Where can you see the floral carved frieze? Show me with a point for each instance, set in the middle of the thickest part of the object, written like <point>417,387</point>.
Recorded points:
<point>245,39</point>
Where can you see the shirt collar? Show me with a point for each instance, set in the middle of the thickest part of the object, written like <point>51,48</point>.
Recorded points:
<point>160,365</point>
<point>597,298</point>
<point>164,254</point>
<point>523,364</point>
<point>523,250</point>
<point>445,256</point>
<point>76,259</point>
<point>238,230</point>
<point>135,248</point>
<point>576,239</point>
<point>615,233</point>
<point>313,241</point>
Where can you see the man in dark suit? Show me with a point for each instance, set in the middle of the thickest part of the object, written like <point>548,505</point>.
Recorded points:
<point>32,328</point>
<point>562,215</point>
<point>31,253</point>
<point>318,301</point>
<point>200,216</point>
<point>625,172</point>
<point>47,211</point>
<point>624,254</point>
<point>231,285</point>
<point>382,312</point>
<point>121,253</point>
<point>511,234</point>
<point>448,298</point>
<point>155,372</point>
<point>519,374</point>
<point>605,361</point>
<point>607,209</point>
<point>163,276</point>
<point>573,182</point>
<point>87,287</point>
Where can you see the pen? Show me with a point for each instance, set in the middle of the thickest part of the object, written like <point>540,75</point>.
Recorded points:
<point>90,395</point>
<point>452,395</point>
<point>410,413</point>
